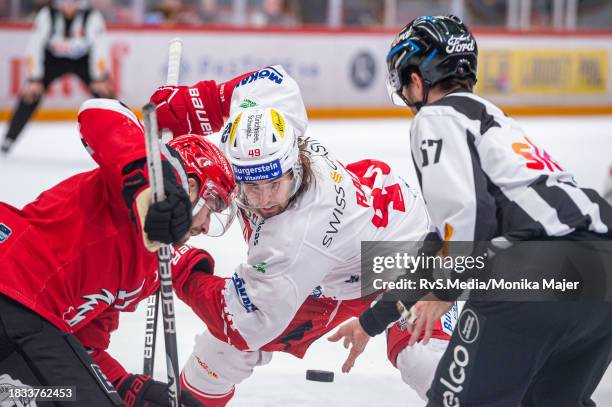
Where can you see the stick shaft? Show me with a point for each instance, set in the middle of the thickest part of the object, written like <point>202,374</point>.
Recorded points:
<point>151,334</point>
<point>164,254</point>
<point>175,49</point>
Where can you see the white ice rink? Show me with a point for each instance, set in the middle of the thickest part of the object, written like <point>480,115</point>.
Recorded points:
<point>48,153</point>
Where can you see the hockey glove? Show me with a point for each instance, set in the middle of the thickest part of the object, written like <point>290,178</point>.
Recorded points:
<point>167,221</point>
<point>143,391</point>
<point>188,109</point>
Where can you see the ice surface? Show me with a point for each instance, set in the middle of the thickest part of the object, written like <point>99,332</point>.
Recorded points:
<point>48,153</point>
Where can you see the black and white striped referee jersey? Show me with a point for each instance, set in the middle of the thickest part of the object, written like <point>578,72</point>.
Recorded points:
<point>75,38</point>
<point>483,177</point>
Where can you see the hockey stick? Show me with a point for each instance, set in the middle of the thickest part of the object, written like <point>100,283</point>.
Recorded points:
<point>175,48</point>
<point>151,333</point>
<point>164,254</point>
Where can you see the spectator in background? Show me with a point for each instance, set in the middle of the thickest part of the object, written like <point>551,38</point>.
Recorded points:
<point>311,11</point>
<point>541,14</point>
<point>68,37</point>
<point>22,9</point>
<point>170,10</point>
<point>487,12</point>
<point>363,12</point>
<point>116,11</point>
<point>177,12</point>
<point>210,12</point>
<point>5,9</point>
<point>273,12</point>
<point>594,14</point>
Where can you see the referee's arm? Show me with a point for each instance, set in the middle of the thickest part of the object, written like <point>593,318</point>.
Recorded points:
<point>448,176</point>
<point>35,56</point>
<point>99,55</point>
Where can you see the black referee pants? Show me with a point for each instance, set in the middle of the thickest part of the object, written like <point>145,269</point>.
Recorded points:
<point>54,68</point>
<point>530,354</point>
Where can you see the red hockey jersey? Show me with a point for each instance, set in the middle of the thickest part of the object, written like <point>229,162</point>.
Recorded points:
<point>74,255</point>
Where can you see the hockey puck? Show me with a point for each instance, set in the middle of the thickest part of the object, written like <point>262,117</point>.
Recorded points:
<point>320,375</point>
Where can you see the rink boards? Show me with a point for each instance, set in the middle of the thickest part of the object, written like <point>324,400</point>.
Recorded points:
<point>341,73</point>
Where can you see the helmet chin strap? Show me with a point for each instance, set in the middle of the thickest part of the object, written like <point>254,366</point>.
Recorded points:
<point>423,102</point>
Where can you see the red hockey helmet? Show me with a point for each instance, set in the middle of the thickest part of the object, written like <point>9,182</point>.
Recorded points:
<point>206,163</point>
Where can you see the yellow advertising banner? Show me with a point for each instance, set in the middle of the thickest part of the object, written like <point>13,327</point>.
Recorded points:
<point>547,72</point>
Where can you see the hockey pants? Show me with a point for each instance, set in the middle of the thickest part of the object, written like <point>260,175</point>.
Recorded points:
<point>33,352</point>
<point>532,354</point>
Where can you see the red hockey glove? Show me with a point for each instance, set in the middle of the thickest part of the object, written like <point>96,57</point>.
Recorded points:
<point>187,261</point>
<point>189,109</point>
<point>143,391</point>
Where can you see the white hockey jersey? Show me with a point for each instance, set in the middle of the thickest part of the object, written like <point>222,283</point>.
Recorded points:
<point>313,247</point>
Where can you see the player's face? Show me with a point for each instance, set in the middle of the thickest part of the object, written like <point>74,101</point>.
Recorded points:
<point>211,215</point>
<point>201,219</point>
<point>413,94</point>
<point>200,223</point>
<point>413,90</point>
<point>269,198</point>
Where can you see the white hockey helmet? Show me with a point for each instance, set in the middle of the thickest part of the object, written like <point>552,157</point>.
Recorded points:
<point>263,150</point>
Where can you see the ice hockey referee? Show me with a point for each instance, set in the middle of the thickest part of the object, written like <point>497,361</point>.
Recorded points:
<point>68,37</point>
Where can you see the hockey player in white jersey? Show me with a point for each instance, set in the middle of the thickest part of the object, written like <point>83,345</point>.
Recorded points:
<point>483,178</point>
<point>304,215</point>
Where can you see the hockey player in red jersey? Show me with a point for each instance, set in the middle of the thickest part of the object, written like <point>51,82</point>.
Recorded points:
<point>83,251</point>
<point>301,211</point>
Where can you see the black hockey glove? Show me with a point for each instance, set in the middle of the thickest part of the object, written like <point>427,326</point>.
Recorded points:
<point>167,221</point>
<point>143,391</point>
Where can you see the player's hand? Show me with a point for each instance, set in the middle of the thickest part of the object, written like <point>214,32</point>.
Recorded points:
<point>32,91</point>
<point>167,221</point>
<point>141,391</point>
<point>102,88</point>
<point>193,109</point>
<point>175,110</point>
<point>426,311</point>
<point>353,335</point>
